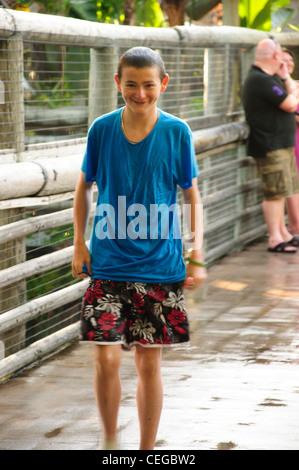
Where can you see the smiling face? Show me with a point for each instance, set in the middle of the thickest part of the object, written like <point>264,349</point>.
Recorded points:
<point>288,59</point>
<point>141,88</point>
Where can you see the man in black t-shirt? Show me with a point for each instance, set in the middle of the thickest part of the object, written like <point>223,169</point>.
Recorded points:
<point>270,100</point>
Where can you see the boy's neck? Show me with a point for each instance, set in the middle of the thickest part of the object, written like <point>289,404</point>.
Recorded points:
<point>148,119</point>
<point>137,126</point>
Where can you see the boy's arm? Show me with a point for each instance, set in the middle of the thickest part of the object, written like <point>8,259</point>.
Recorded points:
<point>82,204</point>
<point>195,274</point>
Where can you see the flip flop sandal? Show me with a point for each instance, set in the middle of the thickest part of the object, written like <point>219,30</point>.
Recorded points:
<point>294,241</point>
<point>281,248</point>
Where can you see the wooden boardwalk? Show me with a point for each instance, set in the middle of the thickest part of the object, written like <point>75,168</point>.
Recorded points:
<point>235,387</point>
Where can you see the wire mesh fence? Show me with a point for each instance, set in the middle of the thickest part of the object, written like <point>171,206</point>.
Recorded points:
<point>56,92</point>
<point>52,84</point>
<point>21,286</point>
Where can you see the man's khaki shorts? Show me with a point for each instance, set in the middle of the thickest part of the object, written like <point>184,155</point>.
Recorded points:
<point>279,174</point>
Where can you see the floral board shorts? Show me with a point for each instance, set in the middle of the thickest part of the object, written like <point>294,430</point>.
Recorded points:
<point>130,313</point>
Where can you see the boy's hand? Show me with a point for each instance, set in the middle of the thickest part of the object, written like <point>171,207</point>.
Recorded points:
<point>81,257</point>
<point>195,275</point>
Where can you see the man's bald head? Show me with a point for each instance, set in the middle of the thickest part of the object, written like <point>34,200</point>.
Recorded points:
<point>266,49</point>
<point>268,55</point>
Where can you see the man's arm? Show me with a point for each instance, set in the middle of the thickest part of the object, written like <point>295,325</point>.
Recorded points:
<point>195,274</point>
<point>82,204</point>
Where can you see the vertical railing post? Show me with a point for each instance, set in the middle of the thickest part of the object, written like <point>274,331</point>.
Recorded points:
<point>12,108</point>
<point>215,86</point>
<point>102,88</point>
<point>12,136</point>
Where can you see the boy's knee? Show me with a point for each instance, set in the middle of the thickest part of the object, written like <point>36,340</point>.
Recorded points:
<point>107,360</point>
<point>148,361</point>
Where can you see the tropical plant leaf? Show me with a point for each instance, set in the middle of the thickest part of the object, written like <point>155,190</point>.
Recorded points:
<point>266,15</point>
<point>83,9</point>
<point>262,19</point>
<point>149,13</point>
<point>281,18</point>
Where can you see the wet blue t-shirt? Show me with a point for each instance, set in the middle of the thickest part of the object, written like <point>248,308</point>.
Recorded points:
<point>136,231</point>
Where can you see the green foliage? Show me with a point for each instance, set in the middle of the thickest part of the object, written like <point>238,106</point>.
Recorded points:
<point>53,96</point>
<point>265,15</point>
<point>281,17</point>
<point>84,10</point>
<point>55,7</point>
<point>293,27</point>
<point>107,11</point>
<point>255,15</point>
<point>52,239</point>
<point>147,12</point>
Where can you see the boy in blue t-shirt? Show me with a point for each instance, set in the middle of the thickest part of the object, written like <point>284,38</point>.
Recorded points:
<point>137,156</point>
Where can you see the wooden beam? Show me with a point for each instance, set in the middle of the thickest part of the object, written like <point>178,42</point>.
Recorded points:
<point>39,177</point>
<point>49,28</point>
<point>23,313</point>
<point>38,351</point>
<point>25,227</point>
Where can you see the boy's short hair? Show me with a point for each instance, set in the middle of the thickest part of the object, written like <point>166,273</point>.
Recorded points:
<point>140,57</point>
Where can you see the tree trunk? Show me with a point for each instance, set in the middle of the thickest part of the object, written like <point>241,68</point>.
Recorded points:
<point>196,9</point>
<point>129,9</point>
<point>174,11</point>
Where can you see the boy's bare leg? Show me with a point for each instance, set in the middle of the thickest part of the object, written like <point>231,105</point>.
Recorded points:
<point>107,387</point>
<point>149,394</point>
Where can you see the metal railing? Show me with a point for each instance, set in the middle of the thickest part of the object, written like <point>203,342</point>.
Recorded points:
<point>56,76</point>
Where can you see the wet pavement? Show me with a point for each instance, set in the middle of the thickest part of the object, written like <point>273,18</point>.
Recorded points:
<point>235,387</point>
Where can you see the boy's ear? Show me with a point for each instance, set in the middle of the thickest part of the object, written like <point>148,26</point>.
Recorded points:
<point>164,82</point>
<point>116,78</point>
